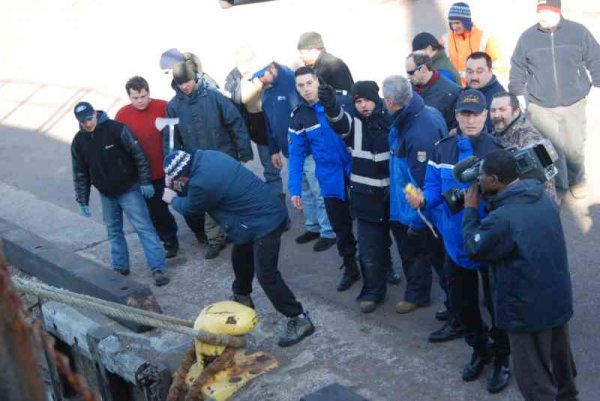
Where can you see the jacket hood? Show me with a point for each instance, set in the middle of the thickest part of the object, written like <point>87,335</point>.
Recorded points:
<point>414,107</point>
<point>521,192</point>
<point>101,116</point>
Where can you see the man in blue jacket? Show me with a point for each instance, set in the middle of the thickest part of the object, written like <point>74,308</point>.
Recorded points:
<point>480,76</point>
<point>207,121</point>
<point>523,241</point>
<point>472,138</point>
<point>414,131</point>
<point>309,128</point>
<point>252,216</point>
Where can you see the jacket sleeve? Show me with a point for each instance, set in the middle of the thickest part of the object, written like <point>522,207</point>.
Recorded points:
<point>341,122</point>
<point>297,152</point>
<point>178,144</point>
<point>591,57</point>
<point>518,70</point>
<point>432,190</point>
<point>487,241</point>
<point>233,85</point>
<point>81,176</point>
<point>193,204</point>
<point>272,141</point>
<point>235,125</point>
<point>132,145</point>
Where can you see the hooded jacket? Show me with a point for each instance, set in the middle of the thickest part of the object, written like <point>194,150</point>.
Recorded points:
<point>109,158</point>
<point>207,121</point>
<point>552,66</point>
<point>439,180</point>
<point>243,205</point>
<point>522,239</point>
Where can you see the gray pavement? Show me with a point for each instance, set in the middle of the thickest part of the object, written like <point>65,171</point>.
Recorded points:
<point>382,356</point>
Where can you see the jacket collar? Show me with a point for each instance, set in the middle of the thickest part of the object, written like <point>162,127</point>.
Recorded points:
<point>414,107</point>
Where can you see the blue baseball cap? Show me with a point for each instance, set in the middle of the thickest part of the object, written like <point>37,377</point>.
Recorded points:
<point>470,100</point>
<point>83,111</point>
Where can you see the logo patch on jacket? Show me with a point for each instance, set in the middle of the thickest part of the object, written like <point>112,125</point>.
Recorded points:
<point>109,146</point>
<point>422,156</point>
<point>280,98</point>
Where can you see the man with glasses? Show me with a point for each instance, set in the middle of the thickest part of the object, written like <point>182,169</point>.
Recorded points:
<point>436,90</point>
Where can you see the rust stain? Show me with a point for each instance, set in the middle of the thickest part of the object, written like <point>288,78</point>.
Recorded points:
<point>231,320</point>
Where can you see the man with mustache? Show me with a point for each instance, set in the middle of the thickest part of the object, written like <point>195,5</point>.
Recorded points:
<point>481,77</point>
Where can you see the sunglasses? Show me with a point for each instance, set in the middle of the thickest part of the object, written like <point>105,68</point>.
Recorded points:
<point>417,68</point>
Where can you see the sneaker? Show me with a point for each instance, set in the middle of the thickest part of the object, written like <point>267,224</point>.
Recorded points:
<point>367,306</point>
<point>171,248</point>
<point>307,236</point>
<point>579,191</point>
<point>245,300</point>
<point>323,244</point>
<point>393,278</point>
<point>160,278</point>
<point>213,251</point>
<point>403,307</point>
<point>297,328</point>
<point>122,270</point>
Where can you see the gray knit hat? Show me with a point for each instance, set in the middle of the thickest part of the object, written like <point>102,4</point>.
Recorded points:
<point>310,40</point>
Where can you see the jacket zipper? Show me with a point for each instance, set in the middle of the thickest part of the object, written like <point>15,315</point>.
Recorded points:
<point>554,65</point>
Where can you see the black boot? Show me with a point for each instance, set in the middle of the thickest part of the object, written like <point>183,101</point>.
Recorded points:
<point>171,248</point>
<point>474,368</point>
<point>499,377</point>
<point>351,274</point>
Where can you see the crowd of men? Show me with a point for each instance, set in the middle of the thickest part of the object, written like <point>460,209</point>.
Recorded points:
<point>384,163</point>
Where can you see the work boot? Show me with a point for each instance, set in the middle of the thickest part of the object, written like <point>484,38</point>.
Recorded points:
<point>307,236</point>
<point>367,306</point>
<point>160,278</point>
<point>351,274</point>
<point>124,271</point>
<point>323,244</point>
<point>403,307</point>
<point>201,238</point>
<point>245,300</point>
<point>499,377</point>
<point>171,248</point>
<point>297,328</point>
<point>475,366</point>
<point>213,251</point>
<point>448,332</point>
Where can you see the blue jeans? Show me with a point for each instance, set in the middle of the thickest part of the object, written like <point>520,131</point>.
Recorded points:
<point>271,173</point>
<point>133,204</point>
<point>315,215</point>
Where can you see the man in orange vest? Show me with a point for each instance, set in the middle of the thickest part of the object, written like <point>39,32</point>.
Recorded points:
<point>465,38</point>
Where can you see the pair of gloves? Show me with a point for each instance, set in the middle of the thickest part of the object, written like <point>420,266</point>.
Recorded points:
<point>147,192</point>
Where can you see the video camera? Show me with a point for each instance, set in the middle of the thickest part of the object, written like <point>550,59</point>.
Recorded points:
<point>534,161</point>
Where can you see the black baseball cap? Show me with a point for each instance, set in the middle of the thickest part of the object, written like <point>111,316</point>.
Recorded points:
<point>471,100</point>
<point>83,111</point>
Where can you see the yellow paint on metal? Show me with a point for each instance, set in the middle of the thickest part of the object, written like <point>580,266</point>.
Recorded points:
<point>226,317</point>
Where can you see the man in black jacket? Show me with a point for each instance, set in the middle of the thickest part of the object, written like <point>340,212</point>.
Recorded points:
<point>550,64</point>
<point>523,241</point>
<point>436,90</point>
<point>330,69</point>
<point>107,155</point>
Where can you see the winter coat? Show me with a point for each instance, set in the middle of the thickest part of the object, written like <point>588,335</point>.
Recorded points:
<point>414,131</point>
<point>109,158</point>
<point>441,94</point>
<point>243,205</point>
<point>522,239</point>
<point>309,128</point>
<point>489,90</point>
<point>439,180</point>
<point>333,71</point>
<point>551,67</point>
<point>207,121</point>
<point>440,62</point>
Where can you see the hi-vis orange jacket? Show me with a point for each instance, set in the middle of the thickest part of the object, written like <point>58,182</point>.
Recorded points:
<point>460,46</point>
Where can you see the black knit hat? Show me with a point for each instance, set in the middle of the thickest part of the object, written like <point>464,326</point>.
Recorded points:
<point>552,5</point>
<point>424,39</point>
<point>183,73</point>
<point>310,40</point>
<point>366,90</point>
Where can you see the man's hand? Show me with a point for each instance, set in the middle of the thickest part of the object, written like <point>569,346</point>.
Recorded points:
<point>147,191</point>
<point>297,202</point>
<point>277,161</point>
<point>169,195</point>
<point>414,198</point>
<point>472,197</point>
<point>168,181</point>
<point>85,211</point>
<point>327,96</point>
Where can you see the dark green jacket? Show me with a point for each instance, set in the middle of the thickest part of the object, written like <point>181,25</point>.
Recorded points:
<point>442,63</point>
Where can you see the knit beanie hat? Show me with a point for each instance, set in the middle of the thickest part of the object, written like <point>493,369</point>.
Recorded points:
<point>552,5</point>
<point>310,40</point>
<point>424,39</point>
<point>177,164</point>
<point>461,12</point>
<point>366,90</point>
<point>183,73</point>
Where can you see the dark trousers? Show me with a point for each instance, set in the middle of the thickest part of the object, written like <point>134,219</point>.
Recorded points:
<point>419,251</point>
<point>262,256</point>
<point>463,285</point>
<point>161,216</point>
<point>543,365</point>
<point>338,212</point>
<point>375,259</point>
<point>195,223</point>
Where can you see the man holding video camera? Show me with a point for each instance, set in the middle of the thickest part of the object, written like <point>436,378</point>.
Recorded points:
<point>523,241</point>
<point>472,139</point>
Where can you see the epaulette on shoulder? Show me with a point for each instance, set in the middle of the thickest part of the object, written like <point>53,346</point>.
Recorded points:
<point>447,138</point>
